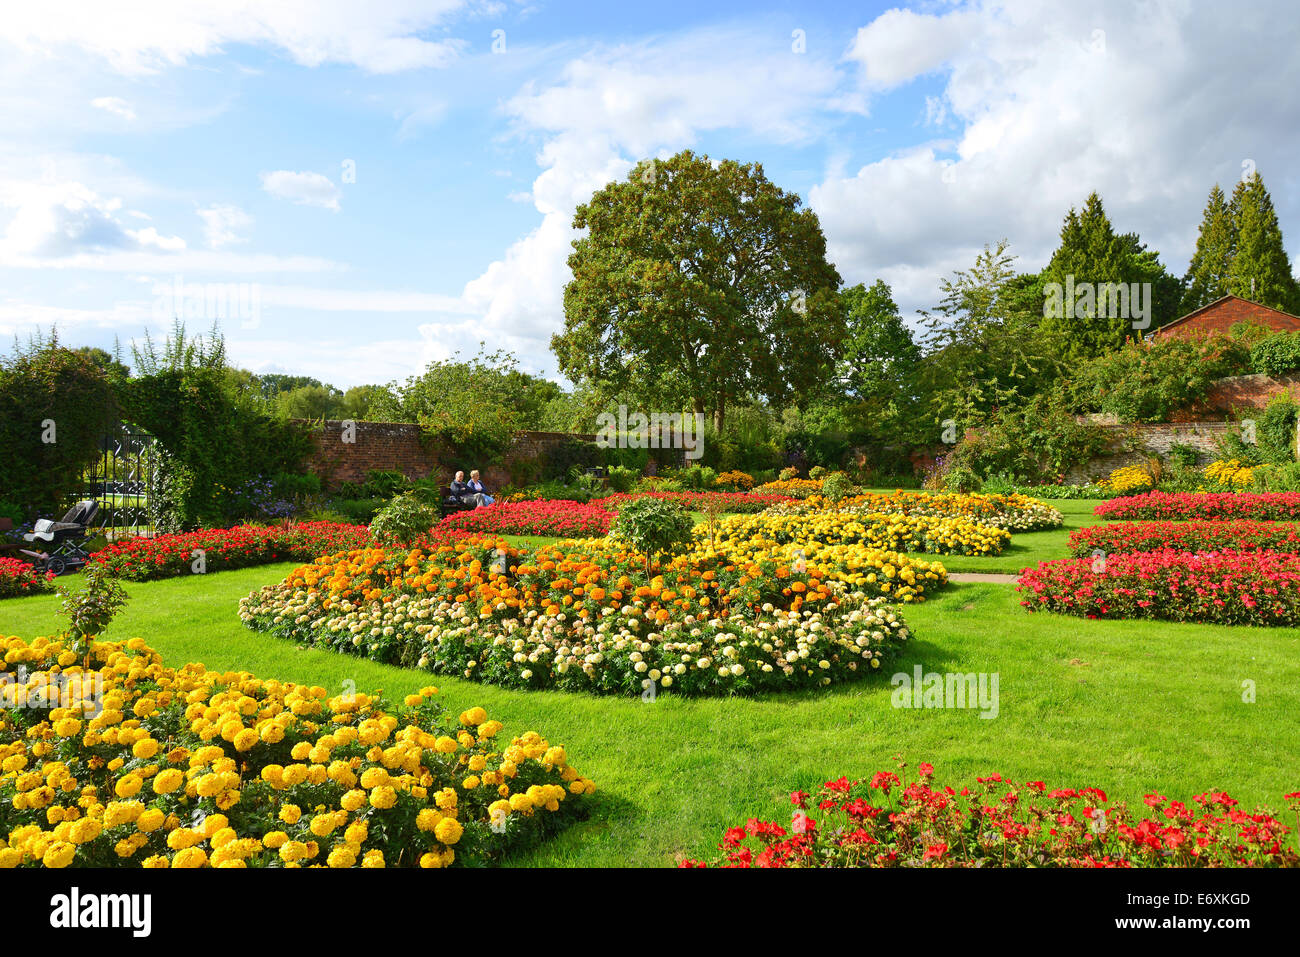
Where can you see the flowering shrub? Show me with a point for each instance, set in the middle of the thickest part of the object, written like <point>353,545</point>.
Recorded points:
<point>132,763</point>
<point>735,479</point>
<point>573,616</point>
<point>792,487</point>
<point>902,533</point>
<point>737,502</point>
<point>1193,536</point>
<point>883,822</point>
<point>143,559</point>
<point>18,578</point>
<point>1224,587</point>
<point>1232,474</point>
<point>1128,479</point>
<point>1262,506</point>
<point>1015,512</point>
<point>558,518</point>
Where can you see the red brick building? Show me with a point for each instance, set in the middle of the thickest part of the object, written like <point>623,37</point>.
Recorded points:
<point>1222,314</point>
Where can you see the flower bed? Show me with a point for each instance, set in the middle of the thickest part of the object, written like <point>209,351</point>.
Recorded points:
<point>790,488</point>
<point>580,616</point>
<point>882,822</point>
<point>1015,512</point>
<point>191,768</point>
<point>735,502</point>
<point>18,578</point>
<point>1193,536</point>
<point>556,518</point>
<point>1261,506</point>
<point>1225,587</point>
<point>143,559</point>
<point>898,532</point>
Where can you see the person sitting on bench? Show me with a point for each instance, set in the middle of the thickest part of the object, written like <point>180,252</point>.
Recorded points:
<point>461,491</point>
<point>477,485</point>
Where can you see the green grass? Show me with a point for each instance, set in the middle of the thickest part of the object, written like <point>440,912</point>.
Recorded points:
<point>1130,707</point>
<point>1027,549</point>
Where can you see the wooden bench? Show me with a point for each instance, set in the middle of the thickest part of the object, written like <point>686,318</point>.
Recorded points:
<point>450,505</point>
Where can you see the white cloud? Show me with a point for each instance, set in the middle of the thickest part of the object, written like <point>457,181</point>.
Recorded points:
<point>384,36</point>
<point>58,220</point>
<point>1148,105</point>
<point>115,105</point>
<point>221,224</point>
<point>305,189</point>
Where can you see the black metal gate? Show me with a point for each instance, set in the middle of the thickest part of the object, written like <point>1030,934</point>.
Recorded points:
<point>119,481</point>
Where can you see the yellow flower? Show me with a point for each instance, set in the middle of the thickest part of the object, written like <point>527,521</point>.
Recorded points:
<point>448,830</point>
<point>59,854</point>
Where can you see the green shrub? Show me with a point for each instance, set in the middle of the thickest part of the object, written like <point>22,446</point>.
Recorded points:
<point>1275,431</point>
<point>622,479</point>
<point>1276,354</point>
<point>836,486</point>
<point>817,472</point>
<point>1278,478</point>
<point>403,520</point>
<point>698,478</point>
<point>560,459</point>
<point>653,526</point>
<point>788,473</point>
<point>358,511</point>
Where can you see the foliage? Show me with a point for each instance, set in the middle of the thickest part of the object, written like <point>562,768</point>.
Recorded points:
<point>621,479</point>
<point>561,458</point>
<point>1260,269</point>
<point>1227,587</point>
<point>570,617</point>
<point>212,437</point>
<point>1191,536</point>
<point>92,607</point>
<point>403,520</point>
<point>55,406</point>
<point>700,282</point>
<point>836,486</point>
<point>1092,254</point>
<point>294,778</point>
<point>1209,272</point>
<point>19,578</point>
<point>223,549</point>
<point>1145,381</point>
<point>880,822</point>
<point>653,526</point>
<point>1276,354</point>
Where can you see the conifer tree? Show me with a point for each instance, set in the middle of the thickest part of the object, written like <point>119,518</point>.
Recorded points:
<point>1261,270</point>
<point>1208,274</point>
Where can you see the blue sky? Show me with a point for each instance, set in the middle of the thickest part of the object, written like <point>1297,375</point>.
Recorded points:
<point>208,144</point>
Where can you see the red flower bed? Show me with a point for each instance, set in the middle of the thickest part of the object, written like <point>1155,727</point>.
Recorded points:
<point>1193,536</point>
<point>1225,587</point>
<point>558,517</point>
<point>142,559</point>
<point>18,578</point>
<point>886,823</point>
<point>1262,506</point>
<point>736,502</point>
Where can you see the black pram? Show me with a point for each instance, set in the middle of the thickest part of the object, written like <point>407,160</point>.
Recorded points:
<point>67,536</point>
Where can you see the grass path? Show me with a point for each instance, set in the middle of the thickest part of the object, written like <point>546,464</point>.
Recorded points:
<point>1128,707</point>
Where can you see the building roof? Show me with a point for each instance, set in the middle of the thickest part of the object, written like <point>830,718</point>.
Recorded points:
<point>1264,310</point>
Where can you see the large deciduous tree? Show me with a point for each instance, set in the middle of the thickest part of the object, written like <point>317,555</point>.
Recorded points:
<point>700,282</point>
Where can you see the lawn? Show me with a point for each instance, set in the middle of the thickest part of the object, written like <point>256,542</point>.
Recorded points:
<point>1130,707</point>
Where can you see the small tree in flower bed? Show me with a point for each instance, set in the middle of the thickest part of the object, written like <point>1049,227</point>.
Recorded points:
<point>18,578</point>
<point>1226,587</point>
<point>1193,536</point>
<point>559,518</point>
<point>1181,506</point>
<point>223,549</point>
<point>882,822</point>
<point>733,502</point>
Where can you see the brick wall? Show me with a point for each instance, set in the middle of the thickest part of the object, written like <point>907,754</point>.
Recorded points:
<point>1222,315</point>
<point>1241,391</point>
<point>400,447</point>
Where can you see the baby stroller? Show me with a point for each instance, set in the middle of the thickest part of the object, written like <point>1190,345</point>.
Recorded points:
<point>68,536</point>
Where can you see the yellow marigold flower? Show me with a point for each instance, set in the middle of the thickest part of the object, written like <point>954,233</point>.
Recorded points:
<point>290,813</point>
<point>190,857</point>
<point>373,859</point>
<point>214,823</point>
<point>383,797</point>
<point>168,781</point>
<point>448,830</point>
<point>322,825</point>
<point>431,860</point>
<point>128,785</point>
<point>374,777</point>
<point>157,861</point>
<point>150,820</point>
<point>245,739</point>
<point>9,858</point>
<point>470,783</point>
<point>274,839</point>
<point>427,819</point>
<point>353,800</point>
<point>341,857</point>
<point>59,854</point>
<point>145,748</point>
<point>293,851</point>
